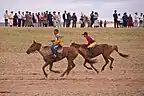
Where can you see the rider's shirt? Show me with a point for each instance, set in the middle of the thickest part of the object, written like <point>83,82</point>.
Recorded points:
<point>90,40</point>
<point>58,40</point>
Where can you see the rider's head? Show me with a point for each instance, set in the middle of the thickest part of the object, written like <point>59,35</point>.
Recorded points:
<point>56,31</point>
<point>85,34</point>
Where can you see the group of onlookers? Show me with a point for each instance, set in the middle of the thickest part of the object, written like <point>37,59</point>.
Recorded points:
<point>48,19</point>
<point>128,20</point>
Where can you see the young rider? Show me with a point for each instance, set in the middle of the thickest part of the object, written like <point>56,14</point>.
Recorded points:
<point>90,40</point>
<point>57,43</point>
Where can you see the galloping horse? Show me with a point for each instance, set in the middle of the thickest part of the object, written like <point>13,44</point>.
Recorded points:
<point>103,49</point>
<point>68,52</point>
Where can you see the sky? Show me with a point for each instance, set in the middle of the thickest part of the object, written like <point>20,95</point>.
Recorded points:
<point>105,8</point>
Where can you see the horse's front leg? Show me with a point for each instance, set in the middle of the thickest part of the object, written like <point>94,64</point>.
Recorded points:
<point>50,68</point>
<point>43,68</point>
<point>89,68</point>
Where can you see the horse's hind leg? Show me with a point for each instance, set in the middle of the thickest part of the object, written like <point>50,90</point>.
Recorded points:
<point>112,59</point>
<point>107,61</point>
<point>86,66</point>
<point>72,66</point>
<point>94,68</point>
<point>68,68</point>
<point>43,68</point>
<point>50,68</point>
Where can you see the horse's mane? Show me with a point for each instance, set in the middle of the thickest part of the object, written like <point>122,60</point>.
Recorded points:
<point>45,47</point>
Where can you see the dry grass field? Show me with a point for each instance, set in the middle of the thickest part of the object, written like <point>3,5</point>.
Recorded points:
<point>22,75</point>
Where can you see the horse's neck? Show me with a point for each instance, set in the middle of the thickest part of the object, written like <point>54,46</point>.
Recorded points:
<point>84,45</point>
<point>45,50</point>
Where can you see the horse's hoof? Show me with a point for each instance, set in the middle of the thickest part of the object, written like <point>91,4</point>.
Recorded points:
<point>111,68</point>
<point>46,75</point>
<point>62,75</point>
<point>89,68</point>
<point>57,71</point>
<point>102,69</point>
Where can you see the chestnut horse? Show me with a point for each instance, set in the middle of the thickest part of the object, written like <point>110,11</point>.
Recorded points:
<point>68,52</point>
<point>103,49</point>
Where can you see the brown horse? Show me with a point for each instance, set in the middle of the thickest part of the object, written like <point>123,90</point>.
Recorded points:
<point>68,52</point>
<point>103,49</point>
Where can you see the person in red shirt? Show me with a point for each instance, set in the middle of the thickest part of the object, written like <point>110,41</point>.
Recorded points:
<point>90,40</point>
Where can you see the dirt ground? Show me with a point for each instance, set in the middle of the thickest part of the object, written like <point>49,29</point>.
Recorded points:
<point>22,75</point>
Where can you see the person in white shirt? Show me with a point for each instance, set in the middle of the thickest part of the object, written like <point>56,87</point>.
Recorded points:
<point>141,20</point>
<point>11,16</point>
<point>59,20</point>
<point>55,19</point>
<point>23,19</point>
<point>136,20</point>
<point>19,19</point>
<point>6,17</point>
<point>120,21</point>
<point>96,21</point>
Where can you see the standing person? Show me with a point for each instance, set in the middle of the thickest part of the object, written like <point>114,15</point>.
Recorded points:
<point>120,21</point>
<point>59,20</point>
<point>19,19</point>
<point>89,22</point>
<point>27,19</point>
<point>141,20</point>
<point>81,21</point>
<point>85,19</point>
<point>68,20</point>
<point>45,20</point>
<point>11,16</point>
<point>30,20</point>
<point>64,19</point>
<point>96,21</point>
<point>92,18</point>
<point>55,19</point>
<point>6,17</point>
<point>136,19</point>
<point>105,23</point>
<point>38,19</point>
<point>130,21</point>
<point>15,20</point>
<point>74,19</point>
<point>115,16</point>
<point>101,22</point>
<point>50,16</point>
<point>41,17</point>
<point>23,19</point>
<point>34,19</point>
<point>125,17</point>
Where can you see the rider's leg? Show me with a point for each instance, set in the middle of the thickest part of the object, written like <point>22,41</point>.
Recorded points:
<point>91,46</point>
<point>55,50</point>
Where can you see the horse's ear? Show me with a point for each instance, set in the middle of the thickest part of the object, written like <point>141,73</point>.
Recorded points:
<point>34,41</point>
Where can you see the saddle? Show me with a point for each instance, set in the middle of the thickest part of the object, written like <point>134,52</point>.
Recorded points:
<point>60,50</point>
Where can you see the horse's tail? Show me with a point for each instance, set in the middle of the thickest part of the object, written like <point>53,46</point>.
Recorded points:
<point>121,54</point>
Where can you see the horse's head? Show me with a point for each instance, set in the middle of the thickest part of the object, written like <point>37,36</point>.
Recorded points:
<point>34,47</point>
<point>75,45</point>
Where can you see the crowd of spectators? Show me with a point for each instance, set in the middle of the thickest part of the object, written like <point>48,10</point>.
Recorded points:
<point>128,20</point>
<point>54,19</point>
